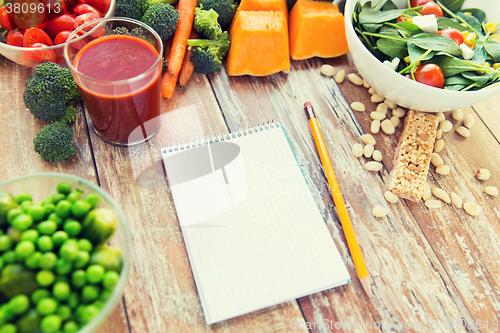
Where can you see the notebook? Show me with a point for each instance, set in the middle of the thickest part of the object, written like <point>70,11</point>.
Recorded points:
<point>254,235</point>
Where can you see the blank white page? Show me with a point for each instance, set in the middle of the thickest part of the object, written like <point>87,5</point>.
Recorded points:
<point>254,235</point>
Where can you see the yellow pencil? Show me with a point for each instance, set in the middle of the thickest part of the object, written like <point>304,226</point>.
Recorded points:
<point>352,242</point>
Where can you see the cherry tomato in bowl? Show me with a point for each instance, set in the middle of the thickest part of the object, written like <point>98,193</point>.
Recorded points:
<point>84,8</point>
<point>36,35</point>
<point>431,75</point>
<point>32,57</point>
<point>65,22</point>
<point>29,13</point>
<point>432,8</point>
<point>61,37</point>
<point>416,3</point>
<point>15,38</point>
<point>454,34</point>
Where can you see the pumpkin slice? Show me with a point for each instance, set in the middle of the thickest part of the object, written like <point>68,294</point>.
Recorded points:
<point>316,30</point>
<point>259,5</point>
<point>259,44</point>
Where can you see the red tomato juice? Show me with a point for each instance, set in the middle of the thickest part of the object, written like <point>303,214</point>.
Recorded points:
<point>120,92</point>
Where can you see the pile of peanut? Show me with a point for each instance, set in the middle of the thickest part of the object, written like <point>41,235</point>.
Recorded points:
<point>382,121</point>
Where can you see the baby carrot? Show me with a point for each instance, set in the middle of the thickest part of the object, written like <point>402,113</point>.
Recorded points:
<point>187,66</point>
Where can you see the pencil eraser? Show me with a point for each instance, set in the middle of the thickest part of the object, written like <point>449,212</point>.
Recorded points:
<point>306,104</point>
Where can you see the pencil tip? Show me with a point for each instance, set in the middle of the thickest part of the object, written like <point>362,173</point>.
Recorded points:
<point>306,104</point>
<point>367,286</point>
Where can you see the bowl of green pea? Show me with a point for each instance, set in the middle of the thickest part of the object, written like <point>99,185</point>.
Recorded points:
<point>64,254</point>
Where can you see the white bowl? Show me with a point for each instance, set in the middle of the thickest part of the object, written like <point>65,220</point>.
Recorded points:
<point>406,92</point>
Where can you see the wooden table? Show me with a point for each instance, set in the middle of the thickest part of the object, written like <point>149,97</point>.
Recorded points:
<point>430,269</point>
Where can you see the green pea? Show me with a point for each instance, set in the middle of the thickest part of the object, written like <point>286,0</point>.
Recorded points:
<point>82,259</point>
<point>94,273</point>
<point>88,313</point>
<point>59,237</point>
<point>45,244</point>
<point>48,200</point>
<point>63,267</point>
<point>12,213</point>
<point>21,197</point>
<point>25,205</point>
<point>39,294</point>
<point>92,199</point>
<point>90,293</point>
<point>48,261</point>
<point>64,312</point>
<point>61,291</point>
<point>58,197</point>
<point>1,263</point>
<point>73,300</point>
<point>63,209</point>
<point>49,208</point>
<point>45,278</point>
<point>62,278</point>
<point>6,314</point>
<point>9,257</point>
<point>29,322</point>
<point>33,261</point>
<point>64,188</point>
<point>22,222</point>
<point>30,235</point>
<point>36,211</point>
<point>47,227</point>
<point>72,227</point>
<point>69,251</point>
<point>5,243</point>
<point>80,208</point>
<point>98,304</point>
<point>110,280</point>
<point>74,196</point>
<point>50,324</point>
<point>46,306</point>
<point>106,295</point>
<point>24,249</point>
<point>54,217</point>
<point>85,245</point>
<point>70,327</point>
<point>8,328</point>
<point>14,234</point>
<point>78,278</point>
<point>19,304</point>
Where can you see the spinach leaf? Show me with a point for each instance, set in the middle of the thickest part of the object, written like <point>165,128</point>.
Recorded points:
<point>393,48</point>
<point>477,13</point>
<point>481,79</point>
<point>436,43</point>
<point>453,5</point>
<point>370,15</point>
<point>493,49</point>
<point>457,80</point>
<point>445,23</point>
<point>473,22</point>
<point>452,66</point>
<point>416,53</point>
<point>479,55</point>
<point>372,27</point>
<point>454,87</point>
<point>389,5</point>
<point>413,29</point>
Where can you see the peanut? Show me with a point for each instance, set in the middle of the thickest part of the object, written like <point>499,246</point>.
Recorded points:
<point>472,208</point>
<point>457,115</point>
<point>368,139</point>
<point>446,126</point>
<point>368,150</point>
<point>366,84</point>
<point>377,115</point>
<point>395,121</point>
<point>433,203</point>
<point>483,174</point>
<point>379,211</point>
<point>390,104</point>
<point>491,190</point>
<point>339,78</point>
<point>390,197</point>
<point>377,155</point>
<point>427,192</point>
<point>354,78</point>
<point>375,126</point>
<point>357,150</point>
<point>443,170</point>
<point>456,200</point>
<point>377,98</point>
<point>382,108</point>
<point>438,145</point>
<point>358,106</point>
<point>327,70</point>
<point>373,166</point>
<point>441,194</point>
<point>440,116</point>
<point>399,112</point>
<point>469,121</point>
<point>387,127</point>
<point>371,91</point>
<point>463,131</point>
<point>439,133</point>
<point>436,160</point>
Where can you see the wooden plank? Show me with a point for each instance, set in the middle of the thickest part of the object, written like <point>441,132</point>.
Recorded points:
<point>161,294</point>
<point>412,282</point>
<point>488,112</point>
<point>17,157</point>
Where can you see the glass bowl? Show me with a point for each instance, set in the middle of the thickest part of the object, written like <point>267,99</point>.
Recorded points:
<point>40,185</point>
<point>25,55</point>
<point>406,92</point>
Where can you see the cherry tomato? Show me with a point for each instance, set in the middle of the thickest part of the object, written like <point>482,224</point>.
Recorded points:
<point>4,19</point>
<point>28,13</point>
<point>432,8</point>
<point>15,38</point>
<point>431,75</point>
<point>32,58</point>
<point>65,22</point>
<point>403,18</point>
<point>101,5</point>
<point>454,34</point>
<point>61,37</point>
<point>416,3</point>
<point>35,35</point>
<point>84,8</point>
<point>84,18</point>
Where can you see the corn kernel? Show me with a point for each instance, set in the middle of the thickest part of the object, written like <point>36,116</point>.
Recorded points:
<point>484,64</point>
<point>467,13</point>
<point>490,27</point>
<point>407,59</point>
<point>496,65</point>
<point>465,33</point>
<point>471,36</point>
<point>495,38</point>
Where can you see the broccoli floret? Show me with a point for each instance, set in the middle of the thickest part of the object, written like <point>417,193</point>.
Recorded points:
<point>50,93</point>
<point>129,8</point>
<point>162,18</point>
<point>207,54</point>
<point>206,24</point>
<point>225,8</point>
<point>54,142</point>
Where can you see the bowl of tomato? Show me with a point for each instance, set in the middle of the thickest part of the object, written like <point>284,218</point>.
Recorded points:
<point>427,55</point>
<point>34,31</point>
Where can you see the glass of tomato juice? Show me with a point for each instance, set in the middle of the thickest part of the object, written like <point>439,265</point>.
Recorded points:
<point>117,65</point>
